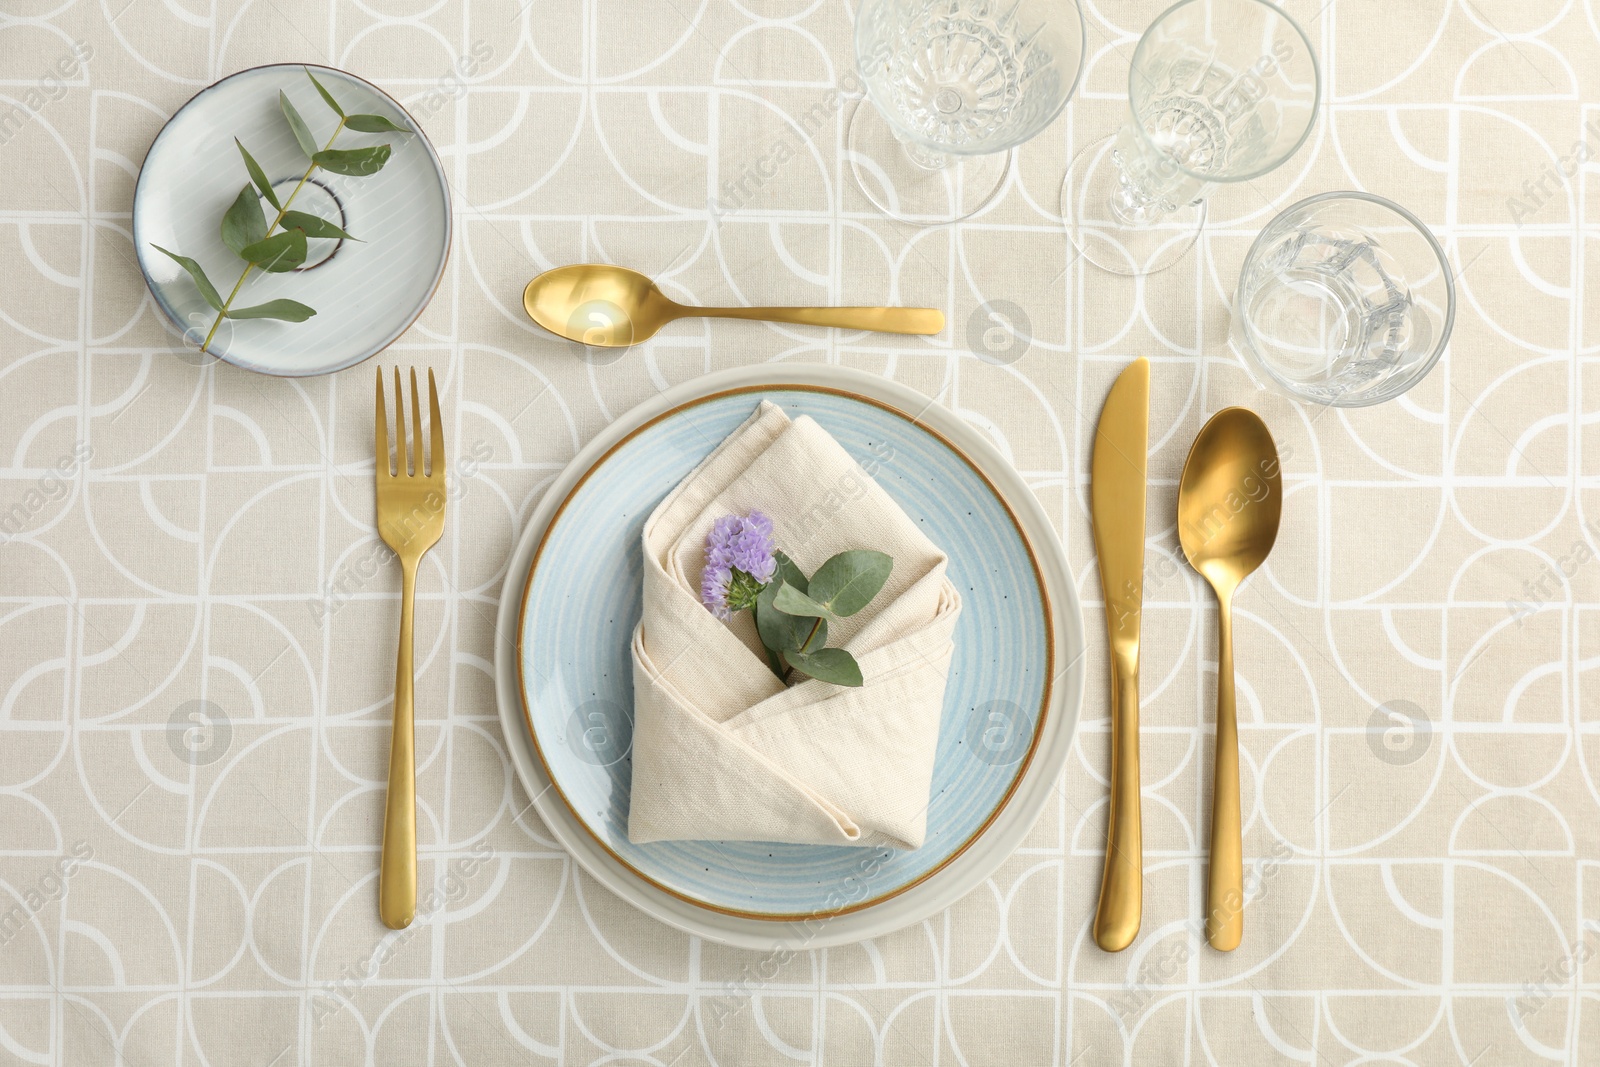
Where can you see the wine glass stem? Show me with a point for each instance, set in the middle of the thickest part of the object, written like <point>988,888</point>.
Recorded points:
<point>926,158</point>
<point>1150,185</point>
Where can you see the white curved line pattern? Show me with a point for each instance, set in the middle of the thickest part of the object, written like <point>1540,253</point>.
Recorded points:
<point>197,623</point>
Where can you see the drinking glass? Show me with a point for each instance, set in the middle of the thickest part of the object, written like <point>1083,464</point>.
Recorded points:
<point>954,86</point>
<point>1344,299</point>
<point>1218,91</point>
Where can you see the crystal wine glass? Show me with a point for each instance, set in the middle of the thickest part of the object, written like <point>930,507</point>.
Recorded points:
<point>1219,91</point>
<point>954,86</point>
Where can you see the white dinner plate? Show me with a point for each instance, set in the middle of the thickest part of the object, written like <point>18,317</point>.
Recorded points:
<point>366,292</point>
<point>731,892</point>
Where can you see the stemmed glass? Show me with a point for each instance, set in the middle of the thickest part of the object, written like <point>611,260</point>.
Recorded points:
<point>954,86</point>
<point>1219,91</point>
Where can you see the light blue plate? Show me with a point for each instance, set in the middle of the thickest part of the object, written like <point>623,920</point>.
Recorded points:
<point>582,603</point>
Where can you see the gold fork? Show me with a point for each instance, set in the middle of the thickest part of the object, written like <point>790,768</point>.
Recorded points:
<point>410,520</point>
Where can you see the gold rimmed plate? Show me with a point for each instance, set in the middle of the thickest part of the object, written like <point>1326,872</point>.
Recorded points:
<point>571,602</point>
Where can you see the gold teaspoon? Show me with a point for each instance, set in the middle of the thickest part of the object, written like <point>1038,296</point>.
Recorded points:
<point>612,307</point>
<point>1229,502</point>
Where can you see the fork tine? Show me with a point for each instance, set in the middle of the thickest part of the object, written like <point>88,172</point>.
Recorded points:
<point>416,427</point>
<point>435,430</point>
<point>402,443</point>
<point>380,445</point>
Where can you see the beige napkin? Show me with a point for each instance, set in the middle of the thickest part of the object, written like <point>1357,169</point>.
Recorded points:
<point>721,749</point>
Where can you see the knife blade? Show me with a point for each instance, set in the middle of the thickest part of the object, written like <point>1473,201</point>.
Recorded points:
<point>1117,499</point>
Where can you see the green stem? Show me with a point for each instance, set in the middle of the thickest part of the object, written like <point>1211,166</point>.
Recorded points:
<point>282,211</point>
<point>805,646</point>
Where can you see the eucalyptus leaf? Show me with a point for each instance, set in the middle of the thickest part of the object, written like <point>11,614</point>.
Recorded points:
<point>776,628</point>
<point>775,662</point>
<point>817,637</point>
<point>201,282</point>
<point>356,161</point>
<point>244,224</point>
<point>315,226</point>
<point>302,132</point>
<point>828,665</point>
<point>279,253</point>
<point>848,582</point>
<point>327,97</point>
<point>374,124</point>
<point>788,571</point>
<point>288,310</point>
<point>782,632</point>
<point>794,602</point>
<point>258,176</point>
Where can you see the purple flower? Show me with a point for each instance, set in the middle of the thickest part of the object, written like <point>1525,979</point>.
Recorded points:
<point>739,563</point>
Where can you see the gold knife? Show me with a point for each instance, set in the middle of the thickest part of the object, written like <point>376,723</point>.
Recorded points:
<point>1116,497</point>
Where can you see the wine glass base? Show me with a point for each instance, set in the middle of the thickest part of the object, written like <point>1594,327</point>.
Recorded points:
<point>1102,239</point>
<point>903,189</point>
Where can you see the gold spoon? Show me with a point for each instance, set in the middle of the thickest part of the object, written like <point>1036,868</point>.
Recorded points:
<point>1229,501</point>
<point>613,307</point>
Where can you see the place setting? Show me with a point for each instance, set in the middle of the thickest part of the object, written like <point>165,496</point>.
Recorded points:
<point>790,655</point>
<point>923,531</point>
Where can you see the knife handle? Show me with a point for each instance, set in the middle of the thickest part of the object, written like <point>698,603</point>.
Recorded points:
<point>1116,920</point>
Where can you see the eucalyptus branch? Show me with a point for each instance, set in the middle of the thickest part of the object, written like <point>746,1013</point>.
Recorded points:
<point>805,646</point>
<point>284,210</point>
<point>245,229</point>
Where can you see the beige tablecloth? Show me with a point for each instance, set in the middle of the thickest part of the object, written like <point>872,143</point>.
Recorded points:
<point>197,624</point>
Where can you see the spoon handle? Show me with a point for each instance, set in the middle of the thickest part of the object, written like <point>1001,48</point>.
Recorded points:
<point>1225,880</point>
<point>882,320</point>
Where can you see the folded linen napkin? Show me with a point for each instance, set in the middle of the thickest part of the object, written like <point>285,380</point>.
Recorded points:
<point>722,750</point>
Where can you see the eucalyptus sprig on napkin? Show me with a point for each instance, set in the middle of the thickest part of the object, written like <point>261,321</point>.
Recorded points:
<point>745,571</point>
<point>248,234</point>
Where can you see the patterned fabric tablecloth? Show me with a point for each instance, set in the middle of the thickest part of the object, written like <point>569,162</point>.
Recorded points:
<point>197,623</point>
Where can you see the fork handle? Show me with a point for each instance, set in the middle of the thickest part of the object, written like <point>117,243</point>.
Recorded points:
<point>397,872</point>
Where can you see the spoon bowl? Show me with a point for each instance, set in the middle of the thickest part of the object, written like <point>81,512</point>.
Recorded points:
<point>605,306</point>
<point>598,304</point>
<point>1230,500</point>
